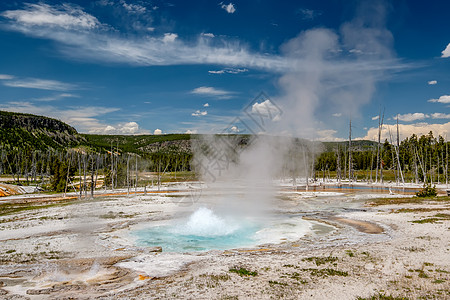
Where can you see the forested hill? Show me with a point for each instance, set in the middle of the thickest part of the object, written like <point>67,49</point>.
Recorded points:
<point>26,131</point>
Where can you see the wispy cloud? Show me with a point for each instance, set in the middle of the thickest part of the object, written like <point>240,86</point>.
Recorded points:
<point>56,97</point>
<point>337,115</point>
<point>432,82</point>
<point>309,14</point>
<point>80,35</point>
<point>41,84</point>
<point>6,77</point>
<point>375,118</point>
<point>212,91</point>
<point>134,8</point>
<point>228,71</point>
<point>210,35</point>
<point>442,99</point>
<point>65,16</point>
<point>440,116</point>
<point>228,7</point>
<point>199,113</point>
<point>412,117</point>
<point>446,52</point>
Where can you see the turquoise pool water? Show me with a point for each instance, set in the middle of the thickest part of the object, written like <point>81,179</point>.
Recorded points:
<point>204,230</point>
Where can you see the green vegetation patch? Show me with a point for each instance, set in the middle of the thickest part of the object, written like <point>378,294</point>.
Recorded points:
<point>325,272</point>
<point>243,272</point>
<point>380,296</point>
<point>274,282</point>
<point>321,260</point>
<point>14,208</point>
<point>434,219</point>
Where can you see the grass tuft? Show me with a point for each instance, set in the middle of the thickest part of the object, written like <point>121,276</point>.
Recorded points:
<point>243,272</point>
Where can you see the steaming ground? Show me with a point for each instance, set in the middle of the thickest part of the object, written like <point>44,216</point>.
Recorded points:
<point>87,250</point>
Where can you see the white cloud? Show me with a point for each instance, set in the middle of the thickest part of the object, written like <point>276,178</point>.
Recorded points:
<point>199,113</point>
<point>328,135</point>
<point>440,116</point>
<point>211,91</point>
<point>6,77</point>
<point>129,128</point>
<point>134,8</point>
<point>412,117</point>
<point>266,109</point>
<point>191,131</point>
<point>42,84</point>
<point>432,82</point>
<point>406,130</point>
<point>210,35</point>
<point>206,105</point>
<point>229,71</point>
<point>66,16</point>
<point>442,99</point>
<point>234,128</point>
<point>375,118</point>
<point>169,37</point>
<point>228,7</point>
<point>217,72</point>
<point>446,52</point>
<point>337,115</point>
<point>121,128</point>
<point>157,132</point>
<point>355,51</point>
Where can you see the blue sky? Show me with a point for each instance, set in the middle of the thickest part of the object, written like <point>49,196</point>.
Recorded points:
<point>151,67</point>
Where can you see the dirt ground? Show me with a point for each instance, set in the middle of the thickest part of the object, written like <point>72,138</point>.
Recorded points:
<point>82,249</point>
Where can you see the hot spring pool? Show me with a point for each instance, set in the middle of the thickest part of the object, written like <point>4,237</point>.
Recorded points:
<point>204,230</point>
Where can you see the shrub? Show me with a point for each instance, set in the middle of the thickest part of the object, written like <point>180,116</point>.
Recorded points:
<point>427,191</point>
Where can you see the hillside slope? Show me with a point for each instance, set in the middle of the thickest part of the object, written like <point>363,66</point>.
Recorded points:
<point>28,131</point>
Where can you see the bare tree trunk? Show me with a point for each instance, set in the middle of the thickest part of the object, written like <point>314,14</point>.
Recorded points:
<point>350,167</point>
<point>446,159</point>
<point>136,182</point>
<point>79,174</point>
<point>128,175</point>
<point>67,178</point>
<point>92,177</point>
<point>84,176</point>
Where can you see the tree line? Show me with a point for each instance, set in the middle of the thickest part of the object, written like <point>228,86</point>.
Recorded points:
<point>416,159</point>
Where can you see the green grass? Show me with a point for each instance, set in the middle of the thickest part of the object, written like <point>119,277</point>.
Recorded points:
<point>321,260</point>
<point>243,272</point>
<point>380,296</point>
<point>434,219</point>
<point>325,272</point>
<point>412,200</point>
<point>350,253</point>
<point>274,282</point>
<point>438,281</point>
<point>14,208</point>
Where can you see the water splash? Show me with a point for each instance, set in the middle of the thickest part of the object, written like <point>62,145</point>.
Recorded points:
<point>204,223</point>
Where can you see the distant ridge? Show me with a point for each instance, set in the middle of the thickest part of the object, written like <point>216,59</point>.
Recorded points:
<point>27,131</point>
